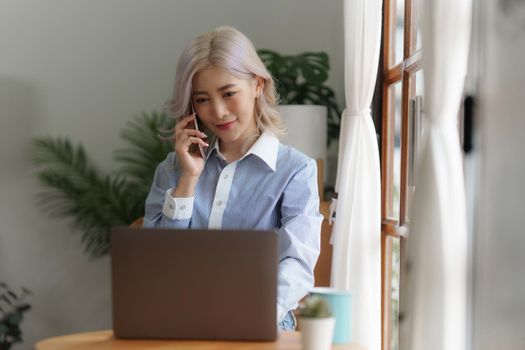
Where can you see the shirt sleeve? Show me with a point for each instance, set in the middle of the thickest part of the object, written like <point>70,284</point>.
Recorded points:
<point>179,208</point>
<point>299,238</point>
<point>161,209</point>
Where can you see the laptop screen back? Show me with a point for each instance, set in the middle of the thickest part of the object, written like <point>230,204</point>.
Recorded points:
<point>194,284</point>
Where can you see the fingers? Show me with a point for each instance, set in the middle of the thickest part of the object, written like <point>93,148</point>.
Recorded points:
<point>184,145</point>
<point>198,140</point>
<point>193,132</point>
<point>183,124</point>
<point>193,136</point>
<point>187,137</point>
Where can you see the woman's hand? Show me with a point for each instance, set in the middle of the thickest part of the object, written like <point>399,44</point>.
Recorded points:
<point>192,164</point>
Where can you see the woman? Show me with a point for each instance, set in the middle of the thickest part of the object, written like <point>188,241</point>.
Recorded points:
<point>245,178</point>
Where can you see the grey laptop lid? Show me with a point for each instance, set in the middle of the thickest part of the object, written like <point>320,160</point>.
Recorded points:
<point>194,284</point>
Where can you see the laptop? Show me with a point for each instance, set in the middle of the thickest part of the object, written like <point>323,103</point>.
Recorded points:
<point>194,284</point>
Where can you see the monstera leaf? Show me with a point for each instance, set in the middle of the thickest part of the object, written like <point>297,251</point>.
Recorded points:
<point>300,79</point>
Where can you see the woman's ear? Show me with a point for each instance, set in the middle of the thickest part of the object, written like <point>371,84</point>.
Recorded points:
<point>259,81</point>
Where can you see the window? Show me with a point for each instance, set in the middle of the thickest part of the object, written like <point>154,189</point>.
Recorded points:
<point>401,130</point>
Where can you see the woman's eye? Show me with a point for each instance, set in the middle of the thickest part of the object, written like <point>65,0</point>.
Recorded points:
<point>201,100</point>
<point>230,93</point>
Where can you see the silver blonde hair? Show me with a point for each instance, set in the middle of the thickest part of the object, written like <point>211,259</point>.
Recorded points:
<point>227,48</point>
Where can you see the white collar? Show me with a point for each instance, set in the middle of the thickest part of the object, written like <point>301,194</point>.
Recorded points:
<point>266,148</point>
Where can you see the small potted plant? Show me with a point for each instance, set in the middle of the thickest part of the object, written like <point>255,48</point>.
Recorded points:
<point>316,323</point>
<point>12,308</point>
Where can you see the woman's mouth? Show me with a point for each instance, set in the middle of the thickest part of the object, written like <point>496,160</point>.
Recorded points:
<point>226,126</point>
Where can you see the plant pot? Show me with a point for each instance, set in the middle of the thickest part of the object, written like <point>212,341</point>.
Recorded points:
<point>317,333</point>
<point>307,131</point>
<point>306,126</point>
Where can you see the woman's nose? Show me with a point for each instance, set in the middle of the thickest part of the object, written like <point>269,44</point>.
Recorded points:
<point>219,110</point>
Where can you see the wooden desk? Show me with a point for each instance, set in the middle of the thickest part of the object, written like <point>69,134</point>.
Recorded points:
<point>104,340</point>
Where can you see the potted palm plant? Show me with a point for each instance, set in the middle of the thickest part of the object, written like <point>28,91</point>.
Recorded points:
<point>316,322</point>
<point>93,202</point>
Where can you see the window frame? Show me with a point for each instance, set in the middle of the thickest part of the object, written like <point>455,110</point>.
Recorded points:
<point>391,73</point>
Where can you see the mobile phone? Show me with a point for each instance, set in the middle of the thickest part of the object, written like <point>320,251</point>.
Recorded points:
<point>194,148</point>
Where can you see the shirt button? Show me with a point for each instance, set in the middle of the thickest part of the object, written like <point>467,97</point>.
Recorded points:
<point>171,206</point>
<point>219,203</point>
<point>226,176</point>
<point>182,207</point>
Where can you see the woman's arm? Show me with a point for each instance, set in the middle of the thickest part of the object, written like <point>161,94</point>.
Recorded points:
<point>162,209</point>
<point>299,238</point>
<point>170,201</point>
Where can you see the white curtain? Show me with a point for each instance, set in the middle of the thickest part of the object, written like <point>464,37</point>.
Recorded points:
<point>437,244</point>
<point>356,234</point>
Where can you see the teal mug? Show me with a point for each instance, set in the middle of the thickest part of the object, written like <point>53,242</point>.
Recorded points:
<point>340,302</point>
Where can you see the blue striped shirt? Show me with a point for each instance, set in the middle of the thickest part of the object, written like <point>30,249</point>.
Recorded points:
<point>272,187</point>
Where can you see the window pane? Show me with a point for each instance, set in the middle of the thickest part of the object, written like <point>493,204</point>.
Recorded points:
<point>400,23</point>
<point>418,24</point>
<point>392,151</point>
<point>397,151</point>
<point>415,132</point>
<point>419,83</point>
<point>394,296</point>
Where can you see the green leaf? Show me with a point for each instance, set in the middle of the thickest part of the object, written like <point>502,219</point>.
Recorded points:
<point>147,148</point>
<point>14,319</point>
<point>12,295</point>
<point>314,67</point>
<point>23,308</point>
<point>7,300</point>
<point>315,306</point>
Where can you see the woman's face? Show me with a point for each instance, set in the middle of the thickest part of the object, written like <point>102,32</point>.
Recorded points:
<point>226,104</point>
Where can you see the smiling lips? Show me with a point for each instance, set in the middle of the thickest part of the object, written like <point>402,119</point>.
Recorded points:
<point>226,126</point>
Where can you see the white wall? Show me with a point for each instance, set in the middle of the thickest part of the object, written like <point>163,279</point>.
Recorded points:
<point>82,68</point>
<point>499,232</point>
